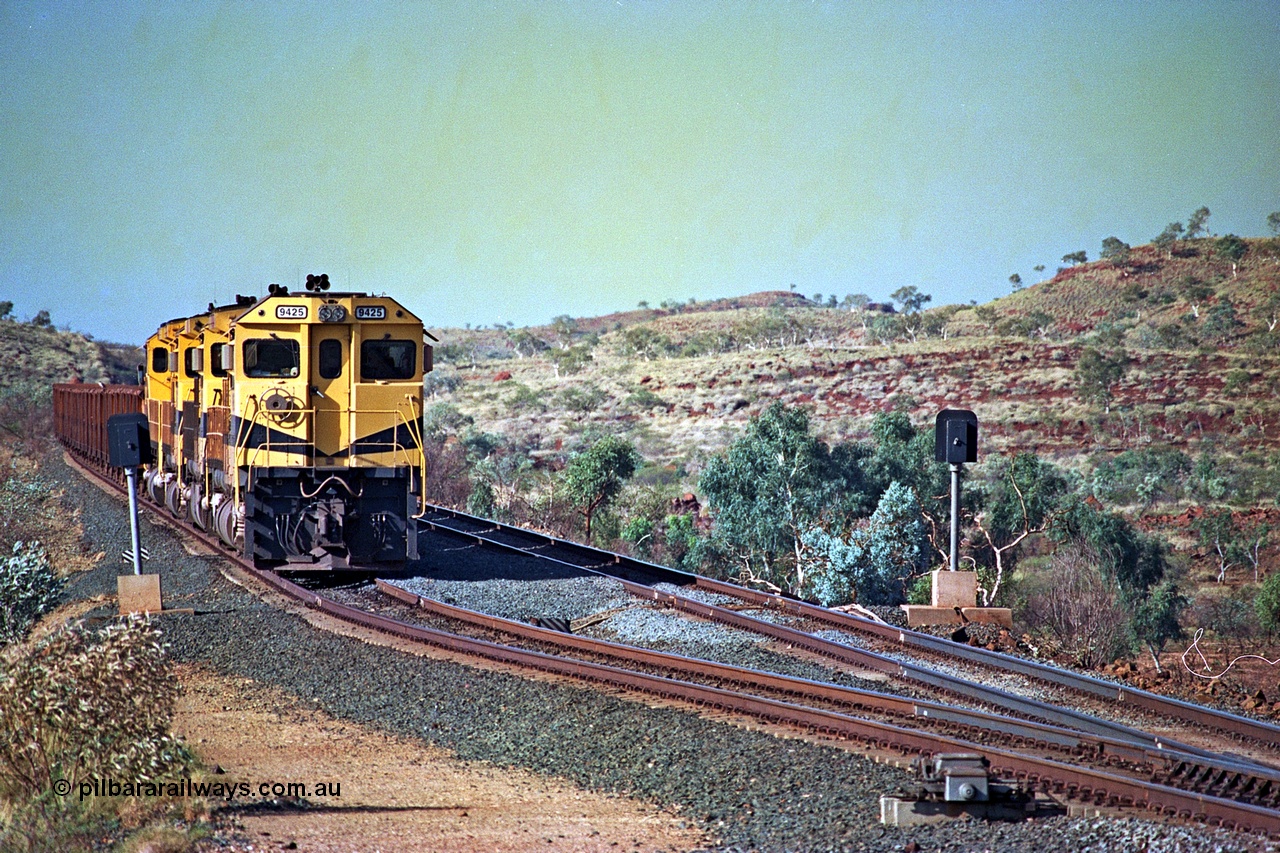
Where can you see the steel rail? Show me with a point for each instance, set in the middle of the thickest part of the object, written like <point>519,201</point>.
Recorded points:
<point>1241,777</point>
<point>1036,732</point>
<point>1073,782</point>
<point>879,663</point>
<point>1079,783</point>
<point>1119,693</point>
<point>952,684</point>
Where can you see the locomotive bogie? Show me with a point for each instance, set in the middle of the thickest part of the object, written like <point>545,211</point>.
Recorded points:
<point>309,520</point>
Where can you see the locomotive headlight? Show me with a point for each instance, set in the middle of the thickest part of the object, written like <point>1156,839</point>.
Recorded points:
<point>332,313</point>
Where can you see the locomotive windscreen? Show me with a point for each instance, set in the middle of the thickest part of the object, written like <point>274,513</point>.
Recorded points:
<point>388,359</point>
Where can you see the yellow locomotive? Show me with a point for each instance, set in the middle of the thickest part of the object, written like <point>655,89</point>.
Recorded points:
<point>291,425</point>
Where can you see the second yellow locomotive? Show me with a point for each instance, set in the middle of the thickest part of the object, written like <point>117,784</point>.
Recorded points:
<point>291,425</point>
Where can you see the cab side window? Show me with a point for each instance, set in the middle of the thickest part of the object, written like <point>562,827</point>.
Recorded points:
<point>192,362</point>
<point>217,359</point>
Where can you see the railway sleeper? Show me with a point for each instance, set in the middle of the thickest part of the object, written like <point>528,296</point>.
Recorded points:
<point>1234,788</point>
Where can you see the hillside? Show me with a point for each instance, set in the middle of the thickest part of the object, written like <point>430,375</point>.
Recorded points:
<point>1191,333</point>
<point>1153,383</point>
<point>1198,341</point>
<point>36,356</point>
<point>1196,332</point>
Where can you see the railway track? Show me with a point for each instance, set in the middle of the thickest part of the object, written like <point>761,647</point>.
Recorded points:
<point>1086,784</point>
<point>636,574</point>
<point>1254,783</point>
<point>1227,778</point>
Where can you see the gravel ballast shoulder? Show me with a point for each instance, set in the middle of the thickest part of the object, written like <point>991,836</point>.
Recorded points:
<point>753,790</point>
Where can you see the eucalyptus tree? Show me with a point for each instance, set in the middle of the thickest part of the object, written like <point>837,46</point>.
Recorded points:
<point>594,478</point>
<point>910,298</point>
<point>1196,223</point>
<point>1116,251</point>
<point>771,485</point>
<point>1166,238</point>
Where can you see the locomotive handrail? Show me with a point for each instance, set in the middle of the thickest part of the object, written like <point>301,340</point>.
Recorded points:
<point>258,419</point>
<point>414,427</point>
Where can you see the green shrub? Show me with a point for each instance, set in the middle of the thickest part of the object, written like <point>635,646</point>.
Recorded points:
<point>571,360</point>
<point>683,546</point>
<point>524,397</point>
<point>1155,617</point>
<point>440,382</point>
<point>639,533</point>
<point>921,591</point>
<point>1210,480</point>
<point>441,420</point>
<point>644,399</point>
<point>480,501</point>
<point>29,588</point>
<point>645,342</point>
<point>583,398</point>
<point>1267,604</point>
<point>1141,476</point>
<point>82,706</point>
<point>22,499</point>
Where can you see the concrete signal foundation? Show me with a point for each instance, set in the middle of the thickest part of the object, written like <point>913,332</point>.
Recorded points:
<point>138,593</point>
<point>955,602</point>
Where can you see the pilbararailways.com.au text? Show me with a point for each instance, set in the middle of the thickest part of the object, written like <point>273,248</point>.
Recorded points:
<point>190,788</point>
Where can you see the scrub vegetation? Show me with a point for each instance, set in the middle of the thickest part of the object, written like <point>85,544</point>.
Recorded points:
<point>76,705</point>
<point>1129,440</point>
<point>81,707</point>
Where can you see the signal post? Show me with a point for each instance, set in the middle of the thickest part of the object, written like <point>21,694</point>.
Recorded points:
<point>955,593</point>
<point>129,447</point>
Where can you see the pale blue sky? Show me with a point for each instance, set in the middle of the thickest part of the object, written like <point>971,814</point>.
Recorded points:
<point>498,161</point>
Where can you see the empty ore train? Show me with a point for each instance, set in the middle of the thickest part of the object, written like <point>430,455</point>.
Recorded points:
<point>288,424</point>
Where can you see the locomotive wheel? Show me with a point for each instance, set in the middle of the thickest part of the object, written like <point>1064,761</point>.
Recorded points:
<point>196,509</point>
<point>224,523</point>
<point>173,497</point>
<point>155,487</point>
